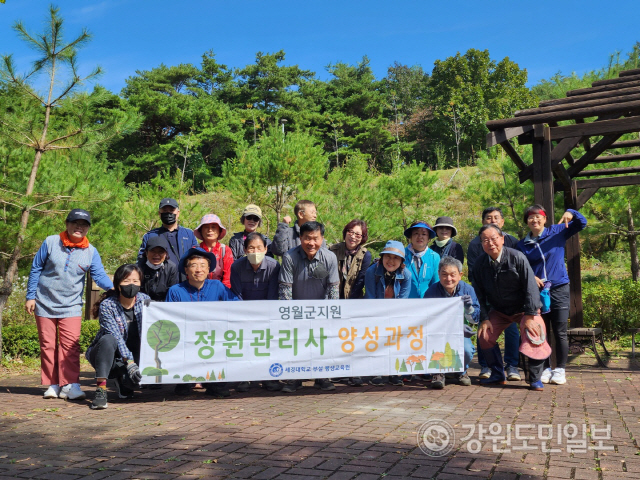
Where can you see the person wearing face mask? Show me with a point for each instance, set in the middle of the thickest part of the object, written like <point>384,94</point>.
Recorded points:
<point>179,239</point>
<point>54,295</point>
<point>421,261</point>
<point>211,231</point>
<point>287,237</point>
<point>443,244</point>
<point>255,277</point>
<point>115,351</point>
<point>158,272</point>
<point>252,220</point>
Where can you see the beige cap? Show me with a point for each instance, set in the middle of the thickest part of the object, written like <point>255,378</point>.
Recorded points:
<point>252,210</point>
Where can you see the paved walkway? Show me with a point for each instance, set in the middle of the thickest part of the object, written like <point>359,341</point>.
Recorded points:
<point>362,433</point>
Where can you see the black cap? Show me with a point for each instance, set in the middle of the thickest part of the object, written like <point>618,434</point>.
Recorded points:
<point>79,214</point>
<point>157,241</point>
<point>200,252</point>
<point>168,202</point>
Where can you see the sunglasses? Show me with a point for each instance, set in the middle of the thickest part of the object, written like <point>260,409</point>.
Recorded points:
<point>252,218</point>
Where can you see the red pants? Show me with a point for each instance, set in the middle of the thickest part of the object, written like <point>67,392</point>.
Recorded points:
<point>59,350</point>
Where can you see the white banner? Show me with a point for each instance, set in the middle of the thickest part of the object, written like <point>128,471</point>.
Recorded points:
<point>279,340</point>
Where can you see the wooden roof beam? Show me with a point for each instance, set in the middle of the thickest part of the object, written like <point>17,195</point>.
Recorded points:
<point>601,182</point>
<point>513,155</point>
<point>589,96</point>
<point>616,158</point>
<point>585,195</point>
<point>578,113</point>
<point>608,171</point>
<point>617,127</point>
<point>592,154</point>
<point>586,143</point>
<point>613,81</point>
<point>569,106</point>
<point>626,144</point>
<point>560,151</point>
<point>628,73</point>
<point>499,136</point>
<point>603,88</point>
<point>609,182</point>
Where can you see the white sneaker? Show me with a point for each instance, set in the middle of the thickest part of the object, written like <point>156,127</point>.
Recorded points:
<point>558,377</point>
<point>546,375</point>
<point>72,392</point>
<point>52,392</point>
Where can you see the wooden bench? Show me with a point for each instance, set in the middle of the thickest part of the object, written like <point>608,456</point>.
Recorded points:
<point>633,332</point>
<point>587,337</point>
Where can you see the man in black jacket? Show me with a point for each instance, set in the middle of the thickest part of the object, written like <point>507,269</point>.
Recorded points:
<point>508,293</point>
<point>158,272</point>
<point>511,334</point>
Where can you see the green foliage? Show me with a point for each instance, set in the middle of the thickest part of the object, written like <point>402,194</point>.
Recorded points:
<point>153,372</point>
<point>613,305</point>
<point>187,378</point>
<point>21,339</point>
<point>176,376</point>
<point>272,172</point>
<point>163,335</point>
<point>466,91</point>
<point>88,331</point>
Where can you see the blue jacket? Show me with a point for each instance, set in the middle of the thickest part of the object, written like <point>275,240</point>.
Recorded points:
<point>211,291</point>
<point>551,243</point>
<point>437,291</point>
<point>374,282</point>
<point>186,240</point>
<point>113,321</point>
<point>428,274</point>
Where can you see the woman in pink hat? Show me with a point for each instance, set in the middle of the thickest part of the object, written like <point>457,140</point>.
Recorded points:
<point>211,231</point>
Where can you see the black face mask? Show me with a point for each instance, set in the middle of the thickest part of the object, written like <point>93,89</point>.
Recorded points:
<point>168,218</point>
<point>129,291</point>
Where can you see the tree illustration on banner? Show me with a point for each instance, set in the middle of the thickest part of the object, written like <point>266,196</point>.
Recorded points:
<point>403,367</point>
<point>397,364</point>
<point>447,360</point>
<point>162,336</point>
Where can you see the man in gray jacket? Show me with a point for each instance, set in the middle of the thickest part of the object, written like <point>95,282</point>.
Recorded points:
<point>287,237</point>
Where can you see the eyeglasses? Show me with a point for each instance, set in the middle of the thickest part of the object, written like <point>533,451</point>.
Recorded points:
<point>493,240</point>
<point>354,234</point>
<point>252,218</point>
<point>80,223</point>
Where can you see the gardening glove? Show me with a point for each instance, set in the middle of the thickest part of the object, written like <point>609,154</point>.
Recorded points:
<point>468,308</point>
<point>468,332</point>
<point>134,372</point>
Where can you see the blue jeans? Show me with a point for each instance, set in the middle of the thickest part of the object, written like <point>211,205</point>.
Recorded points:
<point>469,350</point>
<point>511,347</point>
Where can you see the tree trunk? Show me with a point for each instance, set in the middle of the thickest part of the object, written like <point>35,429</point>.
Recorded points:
<point>633,244</point>
<point>159,365</point>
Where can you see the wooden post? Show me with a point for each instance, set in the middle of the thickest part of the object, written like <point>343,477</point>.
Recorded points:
<point>572,250</point>
<point>542,175</point>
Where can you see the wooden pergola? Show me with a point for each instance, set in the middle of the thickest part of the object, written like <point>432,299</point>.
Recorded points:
<point>615,104</point>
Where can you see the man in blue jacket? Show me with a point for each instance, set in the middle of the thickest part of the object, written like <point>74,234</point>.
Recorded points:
<point>179,239</point>
<point>196,264</point>
<point>451,285</point>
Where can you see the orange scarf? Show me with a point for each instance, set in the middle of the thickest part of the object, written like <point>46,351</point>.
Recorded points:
<point>84,243</point>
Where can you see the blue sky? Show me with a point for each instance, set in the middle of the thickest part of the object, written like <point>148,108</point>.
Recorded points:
<point>543,36</point>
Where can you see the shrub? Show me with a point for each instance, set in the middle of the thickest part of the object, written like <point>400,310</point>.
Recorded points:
<point>613,305</point>
<point>21,339</point>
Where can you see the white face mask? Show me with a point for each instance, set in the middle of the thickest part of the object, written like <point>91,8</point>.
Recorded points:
<point>256,258</point>
<point>154,267</point>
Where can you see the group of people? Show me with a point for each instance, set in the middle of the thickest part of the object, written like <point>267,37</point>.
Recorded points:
<point>519,287</point>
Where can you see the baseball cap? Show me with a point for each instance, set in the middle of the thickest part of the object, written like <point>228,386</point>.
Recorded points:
<point>79,214</point>
<point>168,202</point>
